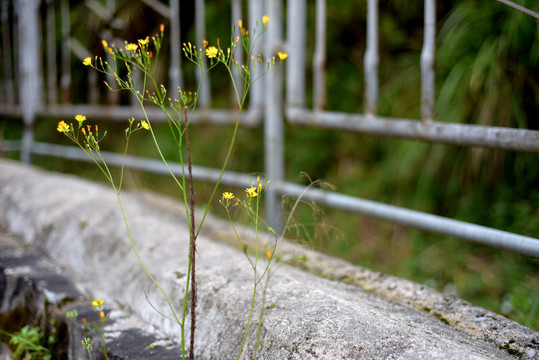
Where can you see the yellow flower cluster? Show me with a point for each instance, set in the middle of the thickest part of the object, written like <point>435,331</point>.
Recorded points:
<point>131,47</point>
<point>143,42</point>
<point>98,303</point>
<point>252,191</point>
<point>63,127</point>
<point>212,52</point>
<point>80,118</point>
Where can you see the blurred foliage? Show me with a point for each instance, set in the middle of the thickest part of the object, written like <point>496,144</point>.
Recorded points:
<point>486,67</point>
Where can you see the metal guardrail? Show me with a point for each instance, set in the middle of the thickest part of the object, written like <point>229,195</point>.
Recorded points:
<point>268,104</point>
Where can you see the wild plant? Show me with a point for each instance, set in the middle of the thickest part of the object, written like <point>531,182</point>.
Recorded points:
<point>141,57</point>
<point>93,329</point>
<point>27,342</point>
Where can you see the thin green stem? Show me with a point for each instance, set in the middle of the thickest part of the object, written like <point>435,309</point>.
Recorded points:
<point>133,246</point>
<point>253,300</point>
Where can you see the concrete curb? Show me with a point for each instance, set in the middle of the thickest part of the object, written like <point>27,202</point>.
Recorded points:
<point>363,315</point>
<point>34,291</point>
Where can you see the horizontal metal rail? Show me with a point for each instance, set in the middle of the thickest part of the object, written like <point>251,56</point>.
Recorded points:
<point>250,117</point>
<point>420,220</point>
<point>428,222</point>
<point>156,166</point>
<point>439,132</point>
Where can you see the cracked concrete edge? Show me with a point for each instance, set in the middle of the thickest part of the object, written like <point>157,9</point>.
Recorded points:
<point>482,324</point>
<point>277,329</point>
<point>34,290</point>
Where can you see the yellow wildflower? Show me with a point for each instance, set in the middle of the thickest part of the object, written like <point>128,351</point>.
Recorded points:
<point>265,19</point>
<point>282,55</point>
<point>162,27</point>
<point>80,118</point>
<point>252,191</point>
<point>240,23</point>
<point>228,195</point>
<point>145,125</point>
<point>98,303</point>
<point>62,127</point>
<point>131,47</point>
<point>143,42</point>
<point>87,61</point>
<point>211,52</point>
<point>105,44</point>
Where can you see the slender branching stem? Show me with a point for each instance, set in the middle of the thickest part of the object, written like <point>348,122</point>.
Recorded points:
<point>192,252</point>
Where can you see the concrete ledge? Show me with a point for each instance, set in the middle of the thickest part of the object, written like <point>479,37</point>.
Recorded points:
<point>322,308</point>
<point>33,291</point>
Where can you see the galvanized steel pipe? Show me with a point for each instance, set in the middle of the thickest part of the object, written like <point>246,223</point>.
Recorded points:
<point>433,223</point>
<point>448,133</point>
<point>371,58</point>
<point>427,62</point>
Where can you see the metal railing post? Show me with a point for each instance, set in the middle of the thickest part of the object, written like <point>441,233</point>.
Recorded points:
<point>273,117</point>
<point>296,45</point>
<point>175,73</point>
<point>427,62</point>
<point>371,59</point>
<point>65,67</point>
<point>29,70</point>
<point>238,52</point>
<point>319,58</point>
<point>256,94</point>
<point>204,97</point>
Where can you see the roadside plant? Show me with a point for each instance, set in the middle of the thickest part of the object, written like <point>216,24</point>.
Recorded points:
<point>93,329</point>
<point>27,344</point>
<point>140,57</point>
<point>251,206</point>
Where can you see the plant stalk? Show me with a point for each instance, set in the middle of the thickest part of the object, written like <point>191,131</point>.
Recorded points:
<point>192,252</point>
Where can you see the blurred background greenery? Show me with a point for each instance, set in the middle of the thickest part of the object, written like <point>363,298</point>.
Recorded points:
<point>487,69</point>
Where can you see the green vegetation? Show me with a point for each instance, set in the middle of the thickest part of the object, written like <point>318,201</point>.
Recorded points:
<point>28,344</point>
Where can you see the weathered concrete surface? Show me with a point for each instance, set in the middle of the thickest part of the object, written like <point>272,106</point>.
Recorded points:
<point>34,291</point>
<point>80,226</point>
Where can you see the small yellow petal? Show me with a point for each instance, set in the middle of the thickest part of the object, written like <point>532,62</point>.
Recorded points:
<point>62,127</point>
<point>98,302</point>
<point>80,118</point>
<point>265,19</point>
<point>145,125</point>
<point>87,61</point>
<point>252,192</point>
<point>211,52</point>
<point>282,55</point>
